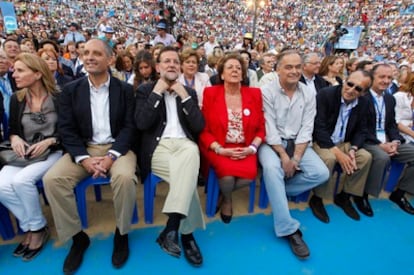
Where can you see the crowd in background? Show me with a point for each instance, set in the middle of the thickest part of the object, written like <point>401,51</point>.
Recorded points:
<point>302,24</point>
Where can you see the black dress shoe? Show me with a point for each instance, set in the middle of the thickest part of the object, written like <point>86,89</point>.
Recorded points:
<point>298,245</point>
<point>169,243</point>
<point>318,209</point>
<point>402,202</point>
<point>343,201</point>
<point>363,205</point>
<point>225,218</point>
<point>121,249</point>
<point>20,250</point>
<point>192,253</point>
<point>74,258</point>
<point>30,254</point>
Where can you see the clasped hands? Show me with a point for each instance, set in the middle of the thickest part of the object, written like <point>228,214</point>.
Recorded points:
<point>236,153</point>
<point>347,162</point>
<point>173,86</point>
<point>391,148</point>
<point>97,166</point>
<point>25,150</point>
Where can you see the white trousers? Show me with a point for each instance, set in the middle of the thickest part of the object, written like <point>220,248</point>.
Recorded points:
<point>18,192</point>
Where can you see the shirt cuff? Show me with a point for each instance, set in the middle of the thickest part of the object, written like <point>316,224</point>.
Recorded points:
<point>186,99</point>
<point>117,154</point>
<point>78,159</point>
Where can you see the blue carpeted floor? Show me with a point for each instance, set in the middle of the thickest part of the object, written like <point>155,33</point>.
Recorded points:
<point>383,244</point>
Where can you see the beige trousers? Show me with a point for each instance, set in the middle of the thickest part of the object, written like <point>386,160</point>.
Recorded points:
<point>64,175</point>
<point>352,184</point>
<point>177,161</point>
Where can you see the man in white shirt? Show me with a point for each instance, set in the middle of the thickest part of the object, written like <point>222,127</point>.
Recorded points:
<point>210,44</point>
<point>169,119</point>
<point>97,130</point>
<point>290,166</point>
<point>384,141</point>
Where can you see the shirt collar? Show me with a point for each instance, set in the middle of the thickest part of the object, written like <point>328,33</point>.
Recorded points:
<point>375,95</point>
<point>352,104</point>
<point>105,85</point>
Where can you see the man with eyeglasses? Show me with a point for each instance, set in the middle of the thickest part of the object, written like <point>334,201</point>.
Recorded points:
<point>310,70</point>
<point>384,142</point>
<point>169,120</point>
<point>338,136</point>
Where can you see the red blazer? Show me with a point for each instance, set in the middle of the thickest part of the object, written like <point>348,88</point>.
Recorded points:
<point>215,114</point>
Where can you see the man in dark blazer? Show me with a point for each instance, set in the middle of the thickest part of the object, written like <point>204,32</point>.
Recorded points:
<point>384,141</point>
<point>338,136</point>
<point>169,119</point>
<point>310,77</point>
<point>95,122</point>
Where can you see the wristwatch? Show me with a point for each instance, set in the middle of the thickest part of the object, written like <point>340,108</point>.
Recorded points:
<point>112,156</point>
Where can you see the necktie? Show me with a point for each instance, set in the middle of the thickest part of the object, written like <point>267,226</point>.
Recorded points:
<point>73,37</point>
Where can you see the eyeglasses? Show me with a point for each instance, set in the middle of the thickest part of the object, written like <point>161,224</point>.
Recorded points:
<point>351,85</point>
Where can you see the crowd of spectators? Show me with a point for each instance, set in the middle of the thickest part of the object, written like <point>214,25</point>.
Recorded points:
<point>302,24</point>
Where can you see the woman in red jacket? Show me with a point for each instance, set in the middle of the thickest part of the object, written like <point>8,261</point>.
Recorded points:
<point>234,130</point>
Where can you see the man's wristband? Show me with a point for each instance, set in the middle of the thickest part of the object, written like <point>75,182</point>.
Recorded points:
<point>112,156</point>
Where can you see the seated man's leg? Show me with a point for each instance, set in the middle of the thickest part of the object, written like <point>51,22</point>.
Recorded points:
<point>355,183</point>
<point>314,172</point>
<point>123,184</point>
<point>406,155</point>
<point>177,161</point>
<point>59,183</point>
<point>326,189</point>
<point>273,176</point>
<point>380,160</point>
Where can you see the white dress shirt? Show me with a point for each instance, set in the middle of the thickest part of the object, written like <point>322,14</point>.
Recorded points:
<point>173,128</point>
<point>288,118</point>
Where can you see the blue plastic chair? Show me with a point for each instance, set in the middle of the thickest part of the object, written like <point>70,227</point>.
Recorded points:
<point>264,199</point>
<point>6,227</point>
<point>80,193</point>
<point>39,185</point>
<point>213,193</point>
<point>5,127</point>
<point>395,170</point>
<point>150,186</point>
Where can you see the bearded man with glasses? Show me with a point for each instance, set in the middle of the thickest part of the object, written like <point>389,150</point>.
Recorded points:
<point>338,136</point>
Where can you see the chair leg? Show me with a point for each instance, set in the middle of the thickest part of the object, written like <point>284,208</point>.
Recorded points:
<point>150,187</point>
<point>252,196</point>
<point>394,175</point>
<point>98,193</point>
<point>80,192</point>
<point>6,226</point>
<point>212,194</point>
<point>263,198</point>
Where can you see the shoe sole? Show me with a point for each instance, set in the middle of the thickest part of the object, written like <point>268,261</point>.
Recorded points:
<point>176,255</point>
<point>41,248</point>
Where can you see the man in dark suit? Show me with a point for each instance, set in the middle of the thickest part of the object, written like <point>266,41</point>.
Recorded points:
<point>384,142</point>
<point>310,70</point>
<point>97,129</point>
<point>168,116</point>
<point>338,136</point>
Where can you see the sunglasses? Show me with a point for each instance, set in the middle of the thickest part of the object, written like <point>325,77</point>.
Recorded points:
<point>359,89</point>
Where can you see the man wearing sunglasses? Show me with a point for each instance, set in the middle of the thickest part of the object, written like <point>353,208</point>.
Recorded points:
<point>338,136</point>
<point>384,142</point>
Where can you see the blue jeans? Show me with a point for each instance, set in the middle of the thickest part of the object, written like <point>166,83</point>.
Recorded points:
<point>314,172</point>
